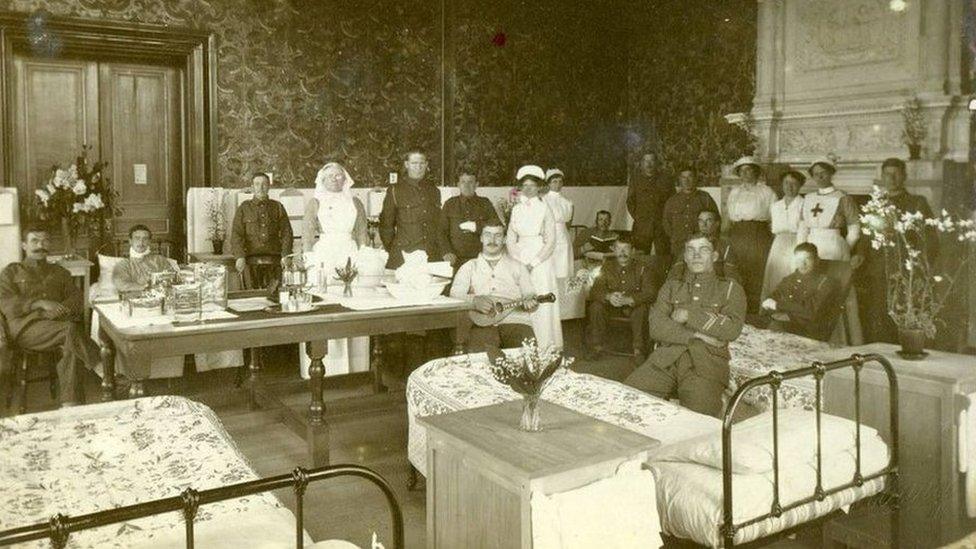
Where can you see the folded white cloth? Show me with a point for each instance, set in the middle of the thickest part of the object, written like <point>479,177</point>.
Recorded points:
<point>620,511</point>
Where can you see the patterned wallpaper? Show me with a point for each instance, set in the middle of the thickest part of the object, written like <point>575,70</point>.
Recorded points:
<point>582,86</point>
<point>303,81</point>
<point>690,64</point>
<point>541,82</point>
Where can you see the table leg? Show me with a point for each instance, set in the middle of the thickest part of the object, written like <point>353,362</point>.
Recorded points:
<point>107,352</point>
<point>254,374</point>
<point>376,363</point>
<point>317,434</point>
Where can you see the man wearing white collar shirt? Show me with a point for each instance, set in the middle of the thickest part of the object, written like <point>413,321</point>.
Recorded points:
<point>826,212</point>
<point>562,212</point>
<point>134,273</point>
<point>531,239</point>
<point>495,275</point>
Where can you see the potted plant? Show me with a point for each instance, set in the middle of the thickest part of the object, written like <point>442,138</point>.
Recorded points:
<point>915,131</point>
<point>79,199</point>
<point>915,292</point>
<point>527,372</point>
<point>216,228</point>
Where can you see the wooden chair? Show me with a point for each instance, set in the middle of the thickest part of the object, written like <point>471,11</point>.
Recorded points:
<point>27,361</point>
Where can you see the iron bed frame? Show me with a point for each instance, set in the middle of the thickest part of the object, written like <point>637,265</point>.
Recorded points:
<point>774,379</point>
<point>59,527</point>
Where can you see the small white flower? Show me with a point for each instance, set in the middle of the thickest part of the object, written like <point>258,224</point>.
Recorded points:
<point>937,278</point>
<point>80,188</point>
<point>43,195</point>
<point>908,265</point>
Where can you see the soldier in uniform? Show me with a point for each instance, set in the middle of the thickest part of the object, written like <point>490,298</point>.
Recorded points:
<point>805,299</point>
<point>693,321</point>
<point>869,279</point>
<point>709,223</point>
<point>411,216</point>
<point>646,196</point>
<point>42,311</point>
<point>464,218</point>
<point>680,218</point>
<point>261,235</point>
<point>625,286</point>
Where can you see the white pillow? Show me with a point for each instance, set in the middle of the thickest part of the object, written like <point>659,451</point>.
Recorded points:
<point>106,264</point>
<point>752,442</point>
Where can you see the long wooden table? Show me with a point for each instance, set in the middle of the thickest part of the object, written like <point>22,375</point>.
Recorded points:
<point>139,345</point>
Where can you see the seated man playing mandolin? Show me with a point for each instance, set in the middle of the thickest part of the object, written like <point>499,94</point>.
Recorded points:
<point>500,288</point>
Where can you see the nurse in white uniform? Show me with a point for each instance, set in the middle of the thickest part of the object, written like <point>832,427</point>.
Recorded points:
<point>531,239</point>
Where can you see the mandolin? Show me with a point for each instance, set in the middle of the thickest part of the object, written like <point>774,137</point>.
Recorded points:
<point>502,309</point>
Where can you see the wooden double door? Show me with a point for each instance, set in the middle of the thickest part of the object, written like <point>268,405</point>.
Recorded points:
<point>131,116</point>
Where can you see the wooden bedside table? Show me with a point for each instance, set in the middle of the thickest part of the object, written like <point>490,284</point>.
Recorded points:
<point>482,470</point>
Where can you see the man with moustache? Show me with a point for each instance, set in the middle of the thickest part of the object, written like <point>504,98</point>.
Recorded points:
<point>261,235</point>
<point>624,286</point>
<point>647,194</point>
<point>411,216</point>
<point>680,218</point>
<point>42,311</point>
<point>693,321</point>
<point>495,275</point>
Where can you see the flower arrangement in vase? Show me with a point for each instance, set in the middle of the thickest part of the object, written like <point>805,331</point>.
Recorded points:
<point>528,372</point>
<point>346,275</point>
<point>78,198</point>
<point>505,205</point>
<point>915,292</point>
<point>217,225</point>
<point>914,131</point>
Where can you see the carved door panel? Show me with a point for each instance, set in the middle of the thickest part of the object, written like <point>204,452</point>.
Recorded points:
<point>140,123</point>
<point>131,116</point>
<point>55,112</point>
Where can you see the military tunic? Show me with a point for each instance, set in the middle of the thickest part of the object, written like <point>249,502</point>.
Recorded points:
<point>635,280</point>
<point>683,364</point>
<point>460,209</point>
<point>809,301</point>
<point>261,231</point>
<point>646,198</point>
<point>411,220</point>
<point>725,266</point>
<point>21,285</point>
<point>680,218</point>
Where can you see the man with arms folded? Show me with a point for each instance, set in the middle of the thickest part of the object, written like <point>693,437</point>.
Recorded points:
<point>42,311</point>
<point>693,321</point>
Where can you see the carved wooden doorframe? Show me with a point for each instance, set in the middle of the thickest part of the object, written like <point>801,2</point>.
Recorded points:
<point>194,51</point>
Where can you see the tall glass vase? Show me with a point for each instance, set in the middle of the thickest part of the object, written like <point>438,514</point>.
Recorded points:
<point>69,238</point>
<point>530,413</point>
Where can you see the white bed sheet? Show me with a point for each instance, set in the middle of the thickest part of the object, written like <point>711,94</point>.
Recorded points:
<point>689,496</point>
<point>462,382</point>
<point>102,456</point>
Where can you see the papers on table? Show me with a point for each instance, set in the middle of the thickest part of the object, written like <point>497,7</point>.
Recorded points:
<point>114,313</point>
<point>248,304</point>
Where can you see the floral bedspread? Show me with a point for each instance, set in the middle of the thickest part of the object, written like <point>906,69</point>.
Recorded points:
<point>462,382</point>
<point>90,458</point>
<point>757,352</point>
